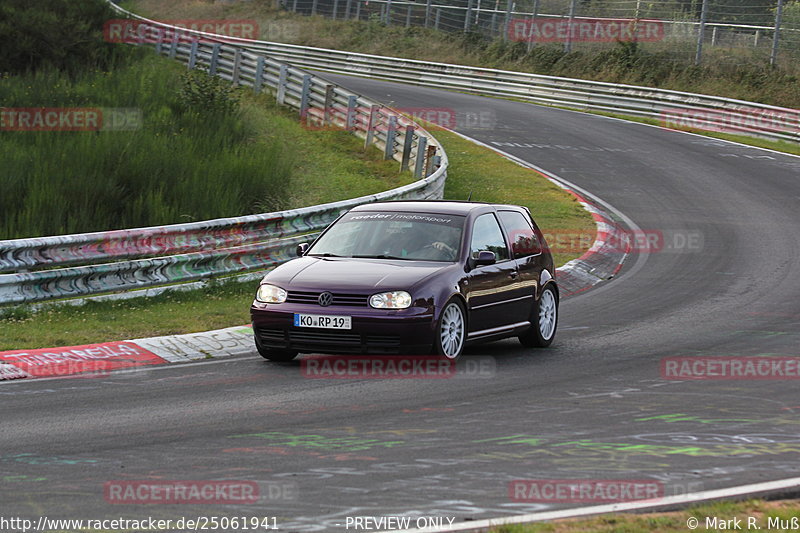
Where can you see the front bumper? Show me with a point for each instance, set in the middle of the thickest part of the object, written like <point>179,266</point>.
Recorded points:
<point>374,331</point>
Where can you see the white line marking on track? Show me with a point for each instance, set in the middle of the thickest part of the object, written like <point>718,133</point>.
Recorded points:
<point>681,499</point>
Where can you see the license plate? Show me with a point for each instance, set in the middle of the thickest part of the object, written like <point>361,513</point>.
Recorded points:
<point>322,321</point>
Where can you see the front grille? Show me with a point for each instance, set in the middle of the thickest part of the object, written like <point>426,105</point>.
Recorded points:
<point>328,341</point>
<point>302,297</point>
<point>337,338</point>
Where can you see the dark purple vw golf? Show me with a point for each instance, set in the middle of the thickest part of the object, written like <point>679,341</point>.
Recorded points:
<point>411,278</point>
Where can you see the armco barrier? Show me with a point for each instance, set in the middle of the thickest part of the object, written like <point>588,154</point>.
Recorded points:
<point>676,108</point>
<point>66,266</point>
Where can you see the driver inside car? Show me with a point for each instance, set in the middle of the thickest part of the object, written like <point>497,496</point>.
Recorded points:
<point>421,246</point>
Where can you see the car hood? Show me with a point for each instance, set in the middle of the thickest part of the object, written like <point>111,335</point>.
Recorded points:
<point>352,274</point>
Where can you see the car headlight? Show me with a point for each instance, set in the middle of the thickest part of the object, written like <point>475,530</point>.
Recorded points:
<point>390,300</point>
<point>270,294</point>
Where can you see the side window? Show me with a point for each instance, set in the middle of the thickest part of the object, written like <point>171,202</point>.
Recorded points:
<point>487,235</point>
<point>523,239</point>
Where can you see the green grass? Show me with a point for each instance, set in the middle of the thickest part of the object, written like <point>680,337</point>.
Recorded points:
<point>672,522</point>
<point>172,312</point>
<point>487,175</point>
<point>186,163</point>
<point>175,168</point>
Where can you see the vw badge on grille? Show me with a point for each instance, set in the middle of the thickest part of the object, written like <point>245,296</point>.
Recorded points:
<point>325,299</point>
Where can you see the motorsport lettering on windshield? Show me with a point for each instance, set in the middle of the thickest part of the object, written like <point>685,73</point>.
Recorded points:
<point>410,217</point>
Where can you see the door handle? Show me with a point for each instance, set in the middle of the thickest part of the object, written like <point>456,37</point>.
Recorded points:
<point>513,275</point>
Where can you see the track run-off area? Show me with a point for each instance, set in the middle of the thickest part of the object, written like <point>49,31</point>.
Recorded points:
<point>597,405</point>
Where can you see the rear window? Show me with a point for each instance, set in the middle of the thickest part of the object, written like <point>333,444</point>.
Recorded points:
<point>523,239</point>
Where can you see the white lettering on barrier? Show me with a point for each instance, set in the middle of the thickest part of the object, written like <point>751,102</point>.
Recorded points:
<point>192,346</point>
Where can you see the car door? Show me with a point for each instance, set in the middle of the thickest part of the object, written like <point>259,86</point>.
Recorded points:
<point>491,295</point>
<point>526,251</point>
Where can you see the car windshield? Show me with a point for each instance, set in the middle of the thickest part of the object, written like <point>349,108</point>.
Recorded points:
<point>381,235</point>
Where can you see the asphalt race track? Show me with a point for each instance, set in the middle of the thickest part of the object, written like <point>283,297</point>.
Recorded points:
<point>594,406</point>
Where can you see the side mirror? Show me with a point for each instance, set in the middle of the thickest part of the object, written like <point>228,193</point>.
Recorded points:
<point>302,248</point>
<point>485,257</point>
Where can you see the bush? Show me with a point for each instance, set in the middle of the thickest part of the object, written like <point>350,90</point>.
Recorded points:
<point>207,95</point>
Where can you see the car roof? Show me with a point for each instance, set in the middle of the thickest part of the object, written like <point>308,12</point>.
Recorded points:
<point>442,207</point>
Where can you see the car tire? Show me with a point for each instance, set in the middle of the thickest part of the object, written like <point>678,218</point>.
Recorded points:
<point>544,320</point>
<point>274,354</point>
<point>451,331</point>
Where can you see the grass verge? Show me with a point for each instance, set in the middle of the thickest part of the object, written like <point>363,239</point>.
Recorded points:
<point>202,150</point>
<point>473,169</point>
<point>773,516</point>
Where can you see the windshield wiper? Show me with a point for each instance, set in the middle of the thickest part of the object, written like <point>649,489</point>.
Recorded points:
<point>381,256</point>
<point>326,254</point>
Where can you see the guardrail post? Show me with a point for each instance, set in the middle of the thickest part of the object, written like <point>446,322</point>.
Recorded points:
<point>373,116</point>
<point>173,47</point>
<point>507,22</point>
<point>281,89</point>
<point>335,9</point>
<point>408,144</point>
<point>422,143</point>
<point>304,94</point>
<point>326,113</point>
<point>531,39</point>
<point>701,33</point>
<point>159,40</point>
<point>391,133</point>
<point>467,16</point>
<point>756,38</point>
<point>259,79</point>
<point>408,16</point>
<point>428,13</point>
<point>776,37</point>
<point>193,55</point>
<point>294,6</point>
<point>568,41</point>
<point>429,160</point>
<point>314,7</point>
<point>388,6</point>
<point>237,65</point>
<point>212,66</point>
<point>347,9</point>
<point>349,123</point>
<point>714,36</point>
<point>438,16</point>
<point>358,9</point>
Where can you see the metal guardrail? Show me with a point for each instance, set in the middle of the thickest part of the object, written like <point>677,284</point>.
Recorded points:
<point>65,266</point>
<point>672,108</point>
<point>676,108</point>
